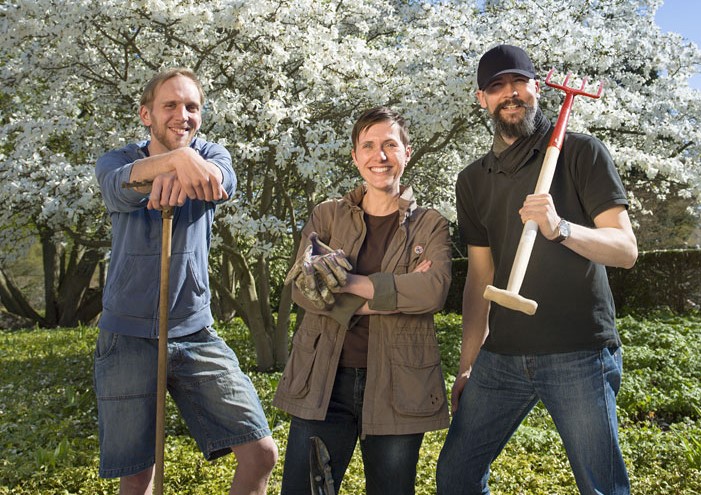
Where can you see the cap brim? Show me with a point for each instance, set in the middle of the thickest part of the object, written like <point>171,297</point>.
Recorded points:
<point>522,72</point>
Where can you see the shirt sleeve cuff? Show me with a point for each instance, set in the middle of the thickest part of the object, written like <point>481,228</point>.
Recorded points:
<point>344,308</point>
<point>130,193</point>
<point>385,292</point>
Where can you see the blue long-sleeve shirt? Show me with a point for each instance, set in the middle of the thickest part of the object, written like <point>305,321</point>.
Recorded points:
<point>131,294</point>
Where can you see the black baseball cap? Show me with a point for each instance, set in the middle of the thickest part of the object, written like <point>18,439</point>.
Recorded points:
<point>503,59</point>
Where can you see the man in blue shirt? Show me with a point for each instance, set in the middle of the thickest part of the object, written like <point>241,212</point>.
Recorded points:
<point>216,399</point>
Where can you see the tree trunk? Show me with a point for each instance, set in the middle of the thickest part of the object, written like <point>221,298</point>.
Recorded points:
<point>14,301</point>
<point>250,311</point>
<point>224,283</point>
<point>50,257</point>
<point>251,301</point>
<point>74,287</point>
<point>276,331</point>
<point>228,306</point>
<point>68,298</point>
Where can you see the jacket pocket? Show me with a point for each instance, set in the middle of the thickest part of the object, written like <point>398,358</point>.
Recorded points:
<point>188,293</point>
<point>134,287</point>
<point>295,378</point>
<point>418,388</point>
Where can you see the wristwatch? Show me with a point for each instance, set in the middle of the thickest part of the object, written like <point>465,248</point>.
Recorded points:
<point>563,230</point>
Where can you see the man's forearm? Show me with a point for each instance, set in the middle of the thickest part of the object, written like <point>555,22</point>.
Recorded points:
<point>475,327</point>
<point>475,308</point>
<point>608,246</point>
<point>198,178</point>
<point>147,169</point>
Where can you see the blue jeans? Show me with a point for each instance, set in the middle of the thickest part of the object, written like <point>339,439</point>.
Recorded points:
<point>389,461</point>
<point>579,391</point>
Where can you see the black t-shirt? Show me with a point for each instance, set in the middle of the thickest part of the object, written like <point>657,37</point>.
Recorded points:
<point>575,305</point>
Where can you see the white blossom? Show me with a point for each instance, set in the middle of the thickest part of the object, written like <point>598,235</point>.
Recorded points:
<point>286,80</point>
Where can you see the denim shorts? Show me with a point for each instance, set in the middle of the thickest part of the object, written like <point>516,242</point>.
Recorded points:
<point>216,399</point>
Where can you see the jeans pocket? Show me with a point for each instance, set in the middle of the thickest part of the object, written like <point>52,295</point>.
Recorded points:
<point>106,344</point>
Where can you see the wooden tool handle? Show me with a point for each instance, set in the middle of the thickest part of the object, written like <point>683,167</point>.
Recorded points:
<point>510,300</point>
<point>530,229</point>
<point>163,312</point>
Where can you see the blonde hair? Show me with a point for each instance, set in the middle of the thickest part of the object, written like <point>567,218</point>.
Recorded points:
<point>149,93</point>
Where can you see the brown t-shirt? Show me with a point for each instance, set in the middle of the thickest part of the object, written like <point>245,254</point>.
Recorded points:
<point>379,233</point>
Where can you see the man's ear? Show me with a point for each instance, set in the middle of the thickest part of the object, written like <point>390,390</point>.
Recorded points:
<point>481,99</point>
<point>145,115</point>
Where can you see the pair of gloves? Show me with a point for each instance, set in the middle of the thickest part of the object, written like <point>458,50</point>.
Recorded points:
<point>319,271</point>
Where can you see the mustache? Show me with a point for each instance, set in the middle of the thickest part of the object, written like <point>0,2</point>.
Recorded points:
<point>513,101</point>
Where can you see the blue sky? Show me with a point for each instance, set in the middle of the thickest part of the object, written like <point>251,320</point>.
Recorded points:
<point>682,16</point>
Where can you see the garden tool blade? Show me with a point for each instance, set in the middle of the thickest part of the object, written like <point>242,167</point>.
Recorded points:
<point>320,468</point>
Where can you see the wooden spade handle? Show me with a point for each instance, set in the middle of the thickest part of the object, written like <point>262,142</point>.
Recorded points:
<point>166,237</point>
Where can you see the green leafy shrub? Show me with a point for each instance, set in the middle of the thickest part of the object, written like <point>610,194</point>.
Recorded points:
<point>662,366</point>
<point>48,418</point>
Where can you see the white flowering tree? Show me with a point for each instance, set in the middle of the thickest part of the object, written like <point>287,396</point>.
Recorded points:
<point>285,80</point>
<point>648,116</point>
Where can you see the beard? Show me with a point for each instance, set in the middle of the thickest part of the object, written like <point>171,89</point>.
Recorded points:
<point>162,134</point>
<point>522,128</point>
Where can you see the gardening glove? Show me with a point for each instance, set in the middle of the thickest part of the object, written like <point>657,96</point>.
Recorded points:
<point>331,265</point>
<point>314,288</point>
<point>296,269</point>
<point>305,279</point>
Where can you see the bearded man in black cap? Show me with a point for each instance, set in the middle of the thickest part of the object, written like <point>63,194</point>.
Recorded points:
<point>567,355</point>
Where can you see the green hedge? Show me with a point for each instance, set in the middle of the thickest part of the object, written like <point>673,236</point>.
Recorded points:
<point>660,279</point>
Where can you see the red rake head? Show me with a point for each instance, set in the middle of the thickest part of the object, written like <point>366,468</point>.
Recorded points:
<point>558,135</point>
<point>573,91</point>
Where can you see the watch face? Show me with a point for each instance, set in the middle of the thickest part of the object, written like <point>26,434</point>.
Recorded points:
<point>564,228</point>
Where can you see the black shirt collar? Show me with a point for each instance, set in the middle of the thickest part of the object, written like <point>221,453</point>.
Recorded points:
<point>508,159</point>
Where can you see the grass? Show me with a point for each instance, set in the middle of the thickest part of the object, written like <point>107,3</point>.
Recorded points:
<point>48,418</point>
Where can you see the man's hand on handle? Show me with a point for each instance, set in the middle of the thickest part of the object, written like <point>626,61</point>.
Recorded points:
<point>170,178</point>
<point>541,209</point>
<point>198,178</point>
<point>166,191</point>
